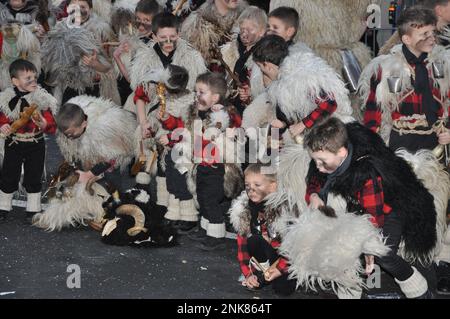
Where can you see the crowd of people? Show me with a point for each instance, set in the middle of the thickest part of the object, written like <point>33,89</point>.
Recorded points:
<point>250,119</point>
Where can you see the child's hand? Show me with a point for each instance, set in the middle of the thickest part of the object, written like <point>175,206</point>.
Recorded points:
<point>216,108</point>
<point>124,47</point>
<point>278,124</point>
<point>162,117</point>
<point>272,274</point>
<point>164,140</point>
<point>251,282</point>
<point>297,129</point>
<point>370,264</point>
<point>6,129</point>
<point>40,121</point>
<point>90,60</point>
<point>315,201</point>
<point>145,130</point>
<point>85,176</point>
<point>444,138</point>
<point>244,93</point>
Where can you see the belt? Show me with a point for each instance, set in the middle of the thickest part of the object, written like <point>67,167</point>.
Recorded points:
<point>24,138</point>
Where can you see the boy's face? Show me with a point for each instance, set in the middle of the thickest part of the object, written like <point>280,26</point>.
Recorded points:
<point>85,10</point>
<point>205,98</point>
<point>420,40</point>
<point>258,186</point>
<point>74,131</point>
<point>327,162</point>
<point>278,27</point>
<point>167,39</point>
<point>26,81</point>
<point>17,4</point>
<point>443,14</point>
<point>269,69</point>
<point>250,32</point>
<point>144,23</point>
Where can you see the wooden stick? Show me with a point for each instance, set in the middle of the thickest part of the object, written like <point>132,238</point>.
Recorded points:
<point>179,7</point>
<point>112,44</point>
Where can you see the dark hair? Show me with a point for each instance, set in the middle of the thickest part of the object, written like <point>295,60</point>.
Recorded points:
<point>432,4</point>
<point>288,15</point>
<point>69,115</point>
<point>89,2</point>
<point>329,135</point>
<point>150,7</point>
<point>257,168</point>
<point>165,20</point>
<point>216,83</point>
<point>415,17</point>
<point>271,48</point>
<point>21,65</point>
<point>179,78</point>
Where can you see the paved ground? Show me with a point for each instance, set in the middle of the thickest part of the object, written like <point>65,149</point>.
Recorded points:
<point>34,264</point>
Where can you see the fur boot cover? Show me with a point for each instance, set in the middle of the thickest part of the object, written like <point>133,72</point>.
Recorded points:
<point>18,42</point>
<point>328,27</point>
<point>326,250</point>
<point>134,219</point>
<point>108,136</point>
<point>206,29</point>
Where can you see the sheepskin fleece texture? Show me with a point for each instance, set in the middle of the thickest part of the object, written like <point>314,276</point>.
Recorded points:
<point>147,60</point>
<point>25,45</point>
<point>395,64</point>
<point>108,135</point>
<point>325,251</point>
<point>330,26</point>
<point>303,78</point>
<point>5,16</point>
<point>205,28</point>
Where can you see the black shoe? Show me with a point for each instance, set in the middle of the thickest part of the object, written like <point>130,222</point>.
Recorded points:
<point>199,235</point>
<point>211,244</point>
<point>186,228</point>
<point>443,286</point>
<point>28,220</point>
<point>3,215</point>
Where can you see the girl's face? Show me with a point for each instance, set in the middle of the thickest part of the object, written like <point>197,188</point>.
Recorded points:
<point>250,33</point>
<point>205,98</point>
<point>258,186</point>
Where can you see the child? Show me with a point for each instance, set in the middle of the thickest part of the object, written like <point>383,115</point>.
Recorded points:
<point>237,54</point>
<point>213,195</point>
<point>284,22</point>
<point>166,49</point>
<point>413,117</point>
<point>27,145</point>
<point>352,162</point>
<point>256,237</point>
<point>125,52</point>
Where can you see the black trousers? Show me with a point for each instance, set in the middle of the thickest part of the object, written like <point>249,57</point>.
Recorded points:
<point>175,181</point>
<point>32,156</point>
<point>393,264</point>
<point>210,193</point>
<point>259,248</point>
<point>412,142</point>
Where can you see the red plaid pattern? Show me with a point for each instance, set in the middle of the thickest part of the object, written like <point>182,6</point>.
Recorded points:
<point>412,102</point>
<point>325,106</point>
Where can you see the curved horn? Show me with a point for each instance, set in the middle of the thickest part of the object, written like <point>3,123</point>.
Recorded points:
<point>138,215</point>
<point>90,183</point>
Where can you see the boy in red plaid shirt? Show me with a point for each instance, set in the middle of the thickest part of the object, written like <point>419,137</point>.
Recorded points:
<point>352,162</point>
<point>413,114</point>
<point>256,237</point>
<point>26,145</point>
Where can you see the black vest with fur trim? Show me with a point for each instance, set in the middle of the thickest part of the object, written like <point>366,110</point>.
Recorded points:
<point>402,189</point>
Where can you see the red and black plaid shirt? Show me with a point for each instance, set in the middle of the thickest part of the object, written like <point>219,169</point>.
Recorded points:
<point>413,101</point>
<point>244,257</point>
<point>370,197</point>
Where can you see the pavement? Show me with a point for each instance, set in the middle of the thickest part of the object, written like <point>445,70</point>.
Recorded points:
<point>75,264</point>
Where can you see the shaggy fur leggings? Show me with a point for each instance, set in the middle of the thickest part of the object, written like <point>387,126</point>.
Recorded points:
<point>393,264</point>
